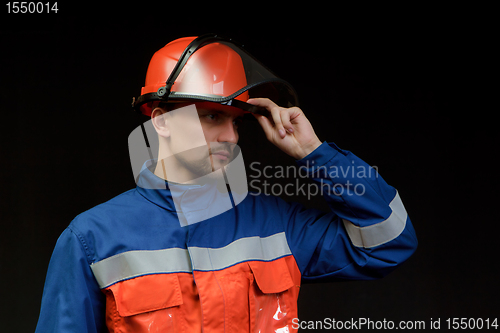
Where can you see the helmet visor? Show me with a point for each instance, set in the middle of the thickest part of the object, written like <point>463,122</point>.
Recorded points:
<point>222,71</point>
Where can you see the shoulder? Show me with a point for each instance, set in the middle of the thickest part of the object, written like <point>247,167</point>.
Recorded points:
<point>108,209</point>
<point>265,207</point>
<point>262,200</point>
<point>109,222</point>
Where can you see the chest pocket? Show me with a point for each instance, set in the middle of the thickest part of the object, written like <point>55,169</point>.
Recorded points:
<point>148,303</point>
<point>271,297</point>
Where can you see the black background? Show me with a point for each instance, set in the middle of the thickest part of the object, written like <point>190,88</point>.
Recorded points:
<point>405,89</point>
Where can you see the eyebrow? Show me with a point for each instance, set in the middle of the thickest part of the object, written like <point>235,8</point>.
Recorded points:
<point>210,110</point>
<point>217,111</point>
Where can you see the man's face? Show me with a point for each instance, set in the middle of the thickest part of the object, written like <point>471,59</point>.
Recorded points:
<point>203,141</point>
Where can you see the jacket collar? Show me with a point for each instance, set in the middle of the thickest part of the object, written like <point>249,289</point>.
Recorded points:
<point>153,188</point>
<point>193,203</point>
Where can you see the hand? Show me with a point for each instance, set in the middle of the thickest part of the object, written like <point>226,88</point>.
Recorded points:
<point>289,129</point>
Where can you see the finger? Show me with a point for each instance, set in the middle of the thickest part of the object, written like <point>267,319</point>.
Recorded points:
<point>275,111</point>
<point>263,102</point>
<point>278,124</point>
<point>266,125</point>
<point>285,120</point>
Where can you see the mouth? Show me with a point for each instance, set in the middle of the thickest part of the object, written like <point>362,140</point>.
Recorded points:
<point>222,154</point>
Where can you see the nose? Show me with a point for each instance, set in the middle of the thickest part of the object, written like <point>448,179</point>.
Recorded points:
<point>228,132</point>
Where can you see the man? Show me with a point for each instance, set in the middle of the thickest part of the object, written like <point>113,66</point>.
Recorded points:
<point>190,249</point>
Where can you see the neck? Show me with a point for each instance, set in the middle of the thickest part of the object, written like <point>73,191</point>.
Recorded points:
<point>170,170</point>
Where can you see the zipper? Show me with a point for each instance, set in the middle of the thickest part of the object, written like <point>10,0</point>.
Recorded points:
<point>192,272</point>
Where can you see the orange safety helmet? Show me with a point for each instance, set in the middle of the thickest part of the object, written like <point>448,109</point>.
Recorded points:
<point>210,68</point>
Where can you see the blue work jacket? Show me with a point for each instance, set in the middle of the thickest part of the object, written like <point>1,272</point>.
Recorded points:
<point>128,265</point>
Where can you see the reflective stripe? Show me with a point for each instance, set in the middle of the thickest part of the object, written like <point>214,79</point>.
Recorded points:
<point>243,249</point>
<point>382,232</point>
<point>136,263</point>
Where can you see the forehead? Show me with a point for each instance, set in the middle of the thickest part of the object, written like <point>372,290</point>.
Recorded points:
<point>204,107</point>
<point>226,110</point>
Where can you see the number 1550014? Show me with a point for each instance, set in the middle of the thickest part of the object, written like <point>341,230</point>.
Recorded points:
<point>31,7</point>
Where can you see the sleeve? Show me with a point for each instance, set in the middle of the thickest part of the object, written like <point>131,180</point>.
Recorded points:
<point>72,300</point>
<point>367,233</point>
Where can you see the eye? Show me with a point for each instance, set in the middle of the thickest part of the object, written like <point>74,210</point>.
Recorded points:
<point>211,116</point>
<point>238,122</point>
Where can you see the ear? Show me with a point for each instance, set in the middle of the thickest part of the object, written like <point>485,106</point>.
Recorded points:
<point>159,120</point>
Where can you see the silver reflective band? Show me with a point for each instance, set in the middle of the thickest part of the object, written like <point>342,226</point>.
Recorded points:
<point>244,249</point>
<point>136,263</point>
<point>132,264</point>
<point>382,232</point>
